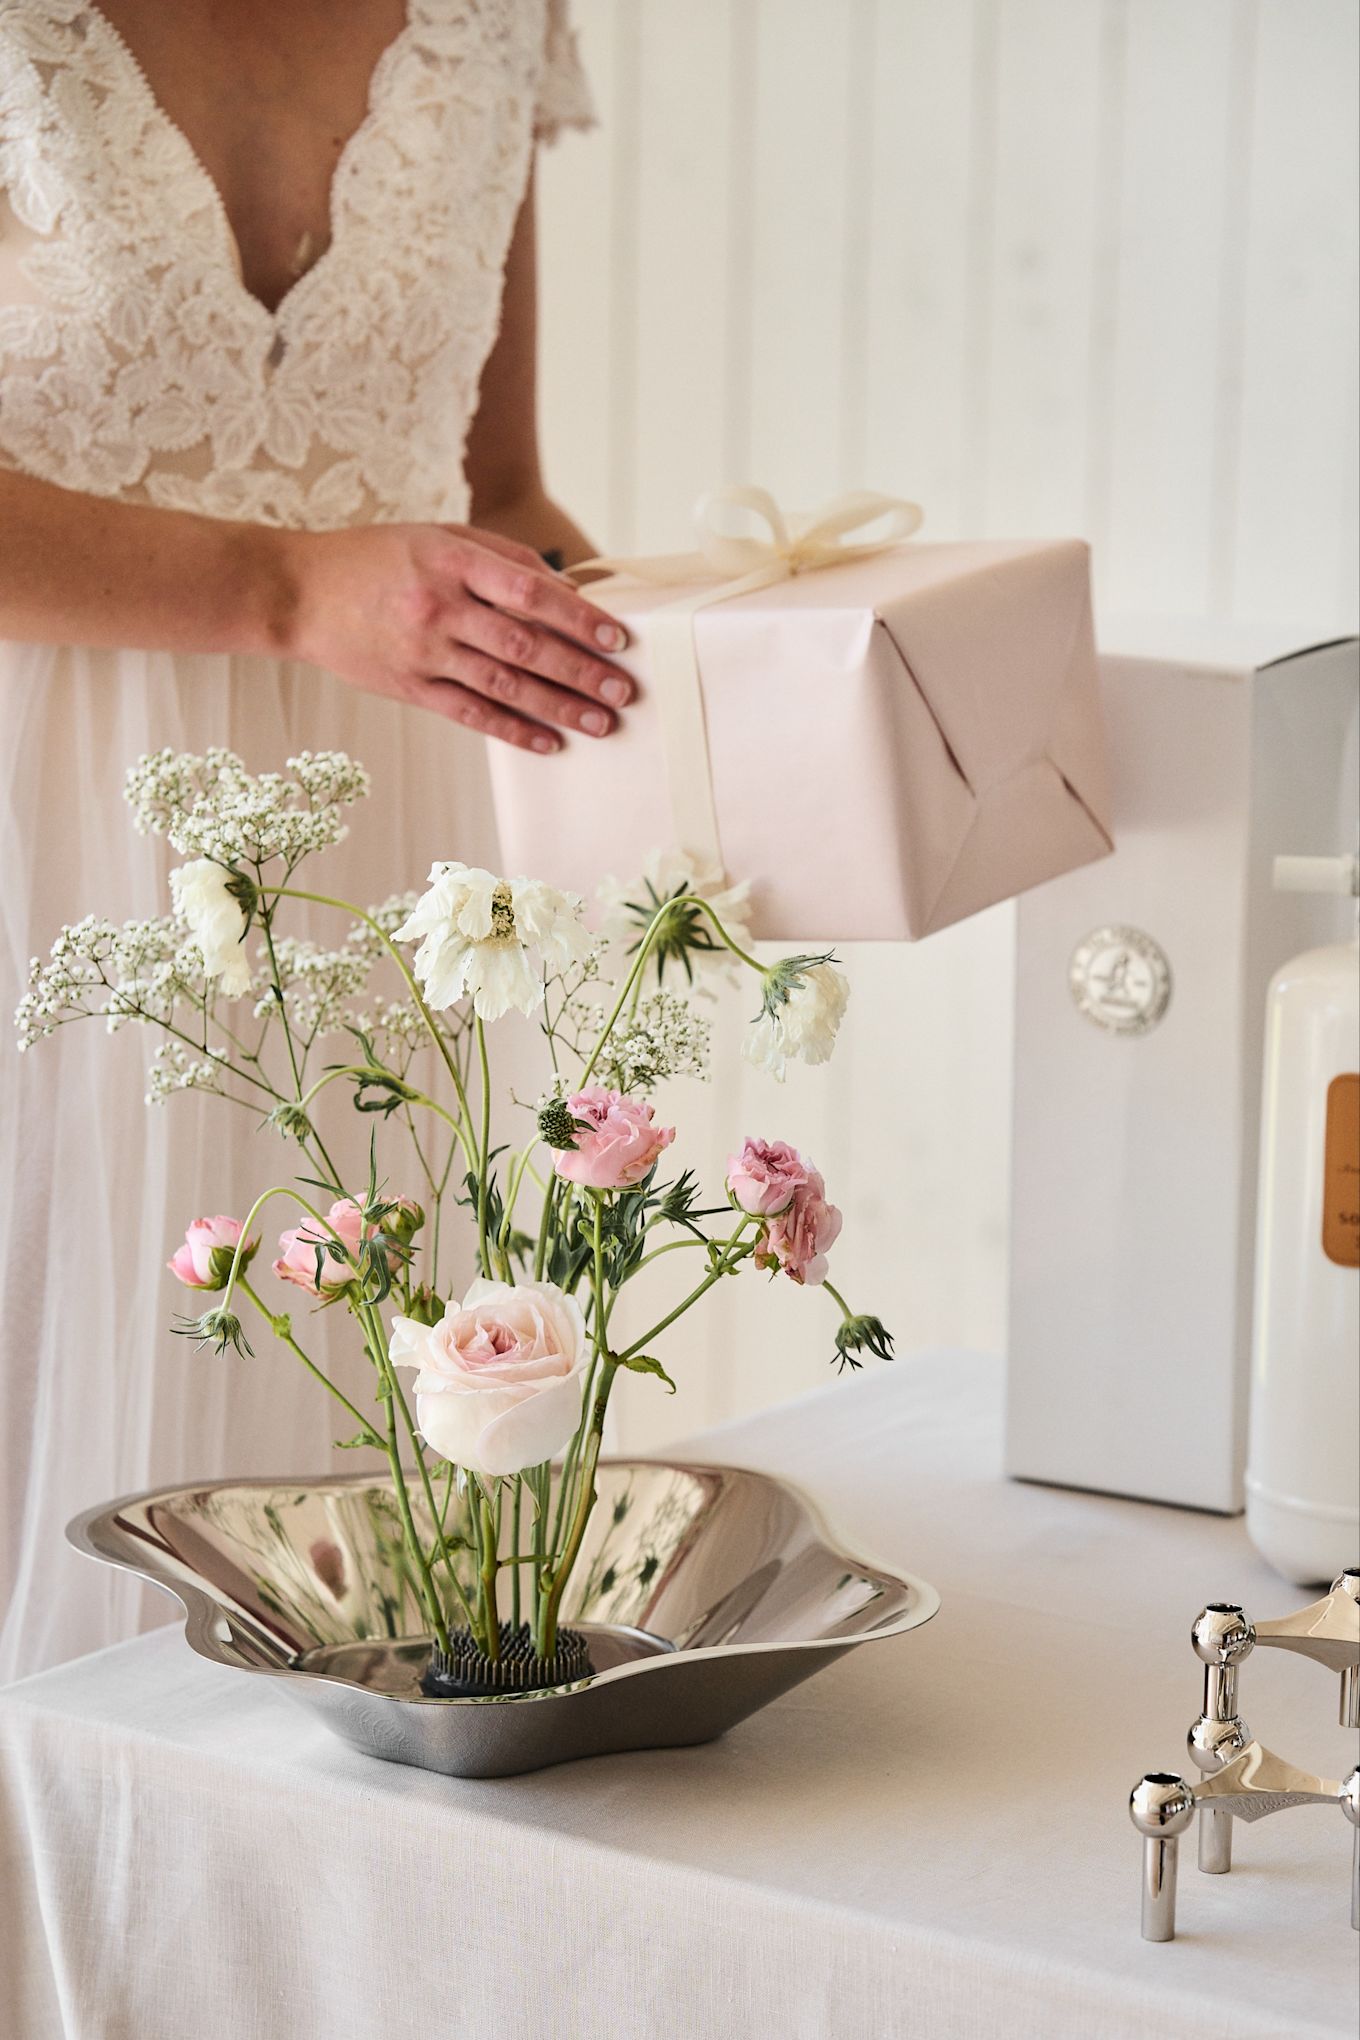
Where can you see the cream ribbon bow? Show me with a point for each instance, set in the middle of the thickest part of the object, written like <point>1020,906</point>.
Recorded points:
<point>726,565</point>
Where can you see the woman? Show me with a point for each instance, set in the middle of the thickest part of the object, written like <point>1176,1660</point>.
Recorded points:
<point>251,279</point>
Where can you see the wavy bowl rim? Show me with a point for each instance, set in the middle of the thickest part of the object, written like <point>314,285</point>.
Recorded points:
<point>200,1610</point>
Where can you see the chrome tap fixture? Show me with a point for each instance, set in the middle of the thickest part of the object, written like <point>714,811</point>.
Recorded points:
<point>1240,1778</point>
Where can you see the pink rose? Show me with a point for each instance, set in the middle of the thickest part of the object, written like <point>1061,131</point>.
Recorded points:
<point>204,1261</point>
<point>765,1176</point>
<point>500,1376</point>
<point>297,1250</point>
<point>797,1239</point>
<point>620,1144</point>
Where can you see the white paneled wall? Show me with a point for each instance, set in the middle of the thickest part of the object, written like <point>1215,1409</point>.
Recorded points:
<point>1043,265</point>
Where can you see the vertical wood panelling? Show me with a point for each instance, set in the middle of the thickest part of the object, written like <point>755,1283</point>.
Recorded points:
<point>685,207</point>
<point>919,384</point>
<point>799,198</point>
<point>1046,265</point>
<point>1230,255</point>
<point>1049,124</point>
<point>577,274</point>
<point>1300,307</point>
<point>1156,523</point>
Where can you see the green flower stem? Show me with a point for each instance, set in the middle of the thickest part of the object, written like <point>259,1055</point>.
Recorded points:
<point>514,1185</point>
<point>733,1253</point>
<point>705,907</point>
<point>281,1327</point>
<point>410,1096</point>
<point>484,1169</point>
<point>415,1548</point>
<point>348,907</point>
<point>839,1301</point>
<point>546,1639</point>
<point>634,976</point>
<point>378,1350</point>
<point>275,1190</point>
<point>516,1562</point>
<point>491,1640</point>
<point>266,921</point>
<point>599,1382</point>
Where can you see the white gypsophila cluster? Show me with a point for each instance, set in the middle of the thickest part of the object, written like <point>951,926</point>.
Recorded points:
<point>665,1037</point>
<point>318,985</point>
<point>389,914</point>
<point>133,970</point>
<point>686,946</point>
<point>175,1068</point>
<point>394,1026</point>
<point>210,806</point>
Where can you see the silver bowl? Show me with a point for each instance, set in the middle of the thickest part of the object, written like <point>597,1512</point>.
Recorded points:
<point>705,1592</point>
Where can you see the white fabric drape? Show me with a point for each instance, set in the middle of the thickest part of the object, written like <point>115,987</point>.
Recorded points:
<point>351,404</point>
<point>97,1397</point>
<point>927,1841</point>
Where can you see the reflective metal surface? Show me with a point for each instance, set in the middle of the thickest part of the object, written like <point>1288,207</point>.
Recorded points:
<point>1243,1780</point>
<point>707,1591</point>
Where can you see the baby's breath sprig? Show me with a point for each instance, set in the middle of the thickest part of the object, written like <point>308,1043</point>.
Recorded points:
<point>210,806</point>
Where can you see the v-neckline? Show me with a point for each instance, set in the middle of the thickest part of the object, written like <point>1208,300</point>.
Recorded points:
<point>377,86</point>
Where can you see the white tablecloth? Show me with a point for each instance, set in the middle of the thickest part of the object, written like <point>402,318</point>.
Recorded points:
<point>929,1839</point>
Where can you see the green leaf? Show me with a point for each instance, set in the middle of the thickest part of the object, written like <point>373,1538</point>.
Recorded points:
<point>643,1363</point>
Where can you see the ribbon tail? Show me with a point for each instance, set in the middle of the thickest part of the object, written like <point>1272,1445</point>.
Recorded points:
<point>673,662</point>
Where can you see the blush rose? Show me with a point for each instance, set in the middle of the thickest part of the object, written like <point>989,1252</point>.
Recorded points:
<point>797,1239</point>
<point>297,1261</point>
<point>204,1261</point>
<point>500,1376</point>
<point>617,1143</point>
<point>765,1177</point>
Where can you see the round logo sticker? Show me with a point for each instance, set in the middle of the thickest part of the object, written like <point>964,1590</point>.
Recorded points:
<point>1120,979</point>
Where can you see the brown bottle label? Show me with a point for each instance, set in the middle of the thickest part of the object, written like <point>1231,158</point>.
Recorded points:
<point>1341,1174</point>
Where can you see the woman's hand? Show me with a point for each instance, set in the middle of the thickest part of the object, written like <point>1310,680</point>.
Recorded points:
<point>460,621</point>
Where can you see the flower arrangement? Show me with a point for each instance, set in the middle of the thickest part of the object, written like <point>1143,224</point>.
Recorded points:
<point>516,1373</point>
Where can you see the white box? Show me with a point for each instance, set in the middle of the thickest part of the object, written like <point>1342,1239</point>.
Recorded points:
<point>1135,1137</point>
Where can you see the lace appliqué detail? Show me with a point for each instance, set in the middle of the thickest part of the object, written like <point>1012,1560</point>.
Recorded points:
<point>143,368</point>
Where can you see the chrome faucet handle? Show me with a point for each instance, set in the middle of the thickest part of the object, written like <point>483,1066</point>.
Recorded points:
<point>1161,1807</point>
<point>1249,1786</point>
<point>1329,1632</point>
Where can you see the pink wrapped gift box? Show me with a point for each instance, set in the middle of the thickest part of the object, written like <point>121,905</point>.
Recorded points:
<point>893,744</point>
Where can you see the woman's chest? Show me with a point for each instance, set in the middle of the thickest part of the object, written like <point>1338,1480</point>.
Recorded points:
<point>267,97</point>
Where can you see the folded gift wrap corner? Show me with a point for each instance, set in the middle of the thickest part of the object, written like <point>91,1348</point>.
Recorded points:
<point>882,747</point>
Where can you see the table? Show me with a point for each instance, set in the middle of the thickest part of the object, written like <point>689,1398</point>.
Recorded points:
<point>928,1841</point>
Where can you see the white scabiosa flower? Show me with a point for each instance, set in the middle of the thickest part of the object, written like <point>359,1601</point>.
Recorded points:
<point>686,943</point>
<point>491,939</point>
<point>207,895</point>
<point>801,1011</point>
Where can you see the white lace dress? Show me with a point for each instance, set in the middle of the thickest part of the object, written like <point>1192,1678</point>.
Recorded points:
<point>135,364</point>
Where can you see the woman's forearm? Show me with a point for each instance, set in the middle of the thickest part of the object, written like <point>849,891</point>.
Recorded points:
<point>535,520</point>
<point>78,569</point>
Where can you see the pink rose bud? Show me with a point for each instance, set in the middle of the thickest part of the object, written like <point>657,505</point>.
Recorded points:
<point>765,1177</point>
<point>797,1239</point>
<point>618,1142</point>
<point>297,1262</point>
<point>204,1261</point>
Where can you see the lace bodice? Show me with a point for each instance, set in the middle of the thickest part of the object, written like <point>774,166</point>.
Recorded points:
<point>135,363</point>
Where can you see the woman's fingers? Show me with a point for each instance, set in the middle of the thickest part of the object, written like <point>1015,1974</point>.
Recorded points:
<point>510,687</point>
<point>474,711</point>
<point>530,650</point>
<point>542,598</point>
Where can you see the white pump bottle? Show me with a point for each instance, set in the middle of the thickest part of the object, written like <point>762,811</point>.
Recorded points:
<point>1303,1454</point>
